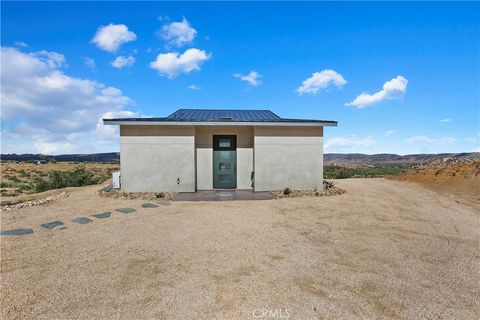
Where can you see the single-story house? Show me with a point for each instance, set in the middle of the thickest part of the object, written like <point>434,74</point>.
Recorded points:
<point>198,149</point>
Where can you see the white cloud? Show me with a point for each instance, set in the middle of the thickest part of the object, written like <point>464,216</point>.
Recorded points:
<point>178,33</point>
<point>44,110</point>
<point>172,64</point>
<point>89,62</point>
<point>392,89</point>
<point>342,143</point>
<point>445,120</point>
<point>447,140</point>
<point>21,44</point>
<point>419,139</point>
<point>470,140</point>
<point>111,37</point>
<point>389,133</point>
<point>321,80</point>
<point>193,87</point>
<point>253,78</point>
<point>122,61</point>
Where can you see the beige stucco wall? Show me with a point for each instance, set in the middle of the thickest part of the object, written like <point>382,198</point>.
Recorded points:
<point>152,158</point>
<point>204,152</point>
<point>288,157</point>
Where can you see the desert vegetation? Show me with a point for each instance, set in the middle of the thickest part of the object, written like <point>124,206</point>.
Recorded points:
<point>345,172</point>
<point>26,178</point>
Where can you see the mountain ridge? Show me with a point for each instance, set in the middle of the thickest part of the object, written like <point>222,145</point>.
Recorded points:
<point>329,158</point>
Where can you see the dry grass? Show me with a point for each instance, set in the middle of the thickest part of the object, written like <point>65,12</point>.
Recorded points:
<point>385,249</point>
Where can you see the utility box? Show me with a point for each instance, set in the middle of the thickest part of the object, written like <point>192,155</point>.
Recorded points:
<point>116,180</point>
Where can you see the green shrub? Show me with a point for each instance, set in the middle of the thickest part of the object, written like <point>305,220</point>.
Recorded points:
<point>15,184</point>
<point>287,191</point>
<point>62,179</point>
<point>23,173</point>
<point>160,195</point>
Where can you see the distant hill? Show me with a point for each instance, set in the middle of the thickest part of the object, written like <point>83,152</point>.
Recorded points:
<point>387,158</point>
<point>93,157</point>
<point>329,158</point>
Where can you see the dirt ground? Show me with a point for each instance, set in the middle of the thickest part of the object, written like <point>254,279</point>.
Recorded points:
<point>461,180</point>
<point>384,250</point>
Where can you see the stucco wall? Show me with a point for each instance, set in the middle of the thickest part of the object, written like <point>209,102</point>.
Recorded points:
<point>288,157</point>
<point>152,158</point>
<point>204,153</point>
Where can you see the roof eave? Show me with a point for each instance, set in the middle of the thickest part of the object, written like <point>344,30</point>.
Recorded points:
<point>221,123</point>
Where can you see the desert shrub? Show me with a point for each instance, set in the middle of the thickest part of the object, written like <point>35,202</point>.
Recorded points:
<point>62,179</point>
<point>22,173</point>
<point>328,184</point>
<point>160,195</point>
<point>337,172</point>
<point>15,179</point>
<point>287,191</point>
<point>15,184</point>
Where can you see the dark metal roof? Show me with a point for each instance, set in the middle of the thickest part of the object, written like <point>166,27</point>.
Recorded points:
<point>217,114</point>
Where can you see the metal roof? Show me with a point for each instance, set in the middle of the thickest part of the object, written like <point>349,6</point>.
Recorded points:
<point>220,117</point>
<point>216,114</point>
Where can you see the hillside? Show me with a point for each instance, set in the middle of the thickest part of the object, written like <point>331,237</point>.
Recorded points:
<point>92,157</point>
<point>386,158</point>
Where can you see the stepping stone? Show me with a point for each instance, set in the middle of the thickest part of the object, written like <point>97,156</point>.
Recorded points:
<point>126,210</point>
<point>52,224</point>
<point>16,232</point>
<point>149,205</point>
<point>82,220</point>
<point>102,215</point>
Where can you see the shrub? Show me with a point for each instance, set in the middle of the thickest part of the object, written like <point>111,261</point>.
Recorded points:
<point>160,195</point>
<point>23,173</point>
<point>328,184</point>
<point>62,179</point>
<point>287,191</point>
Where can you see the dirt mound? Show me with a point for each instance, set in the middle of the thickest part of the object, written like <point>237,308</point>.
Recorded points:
<point>461,178</point>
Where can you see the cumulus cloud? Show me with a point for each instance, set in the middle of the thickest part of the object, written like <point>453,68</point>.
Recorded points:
<point>419,139</point>
<point>253,78</point>
<point>321,80</point>
<point>392,89</point>
<point>343,143</point>
<point>389,133</point>
<point>112,36</point>
<point>172,64</point>
<point>122,61</point>
<point>47,111</point>
<point>178,33</point>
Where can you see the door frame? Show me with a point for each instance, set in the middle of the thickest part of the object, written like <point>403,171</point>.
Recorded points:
<point>216,147</point>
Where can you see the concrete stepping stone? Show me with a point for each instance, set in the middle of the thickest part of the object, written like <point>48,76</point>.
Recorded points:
<point>52,224</point>
<point>102,215</point>
<point>149,205</point>
<point>16,232</point>
<point>126,210</point>
<point>82,220</point>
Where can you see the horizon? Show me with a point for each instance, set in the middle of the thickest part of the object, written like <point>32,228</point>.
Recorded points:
<point>400,78</point>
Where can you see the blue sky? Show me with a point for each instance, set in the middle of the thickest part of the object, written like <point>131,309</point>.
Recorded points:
<point>398,77</point>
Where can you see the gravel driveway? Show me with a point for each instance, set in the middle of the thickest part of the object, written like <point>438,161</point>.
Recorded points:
<point>385,249</point>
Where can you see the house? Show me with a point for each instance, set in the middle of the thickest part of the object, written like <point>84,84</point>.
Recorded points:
<point>198,149</point>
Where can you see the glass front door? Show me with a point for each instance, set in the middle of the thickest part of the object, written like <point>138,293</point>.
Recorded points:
<point>224,162</point>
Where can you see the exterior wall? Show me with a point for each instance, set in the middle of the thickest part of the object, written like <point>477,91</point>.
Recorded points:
<point>288,157</point>
<point>204,152</point>
<point>152,158</point>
